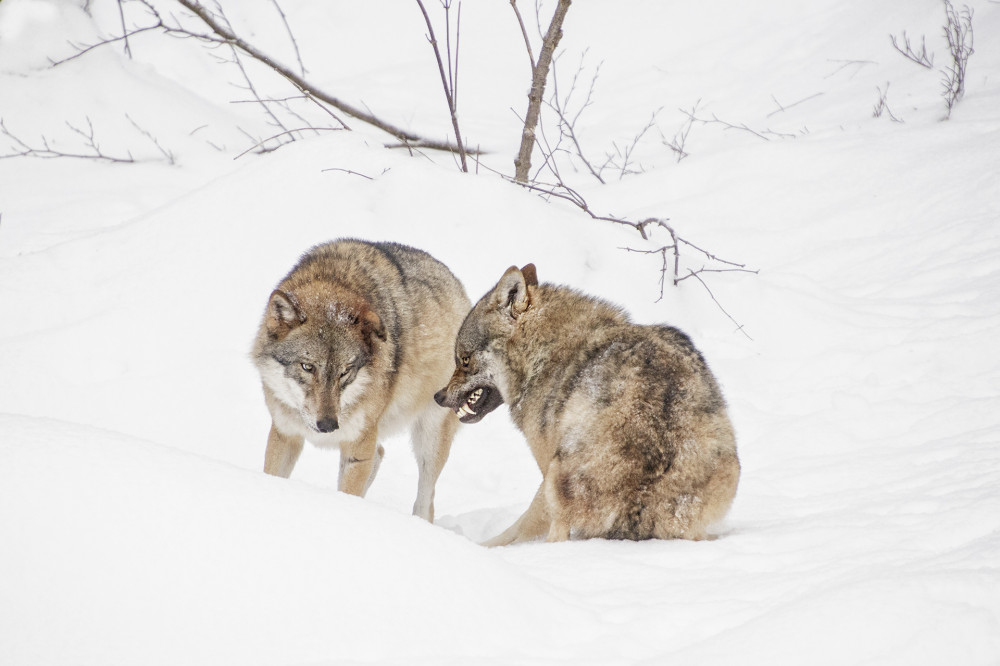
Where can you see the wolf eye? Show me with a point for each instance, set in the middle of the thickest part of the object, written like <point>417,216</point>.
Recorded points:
<point>465,361</point>
<point>308,367</point>
<point>345,372</point>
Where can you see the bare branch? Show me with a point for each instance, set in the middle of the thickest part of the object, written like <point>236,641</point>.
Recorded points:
<point>221,34</point>
<point>522,164</point>
<point>93,150</point>
<point>449,90</point>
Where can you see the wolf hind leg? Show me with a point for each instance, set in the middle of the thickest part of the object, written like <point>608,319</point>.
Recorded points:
<point>533,523</point>
<point>432,435</point>
<point>282,453</point>
<point>558,519</point>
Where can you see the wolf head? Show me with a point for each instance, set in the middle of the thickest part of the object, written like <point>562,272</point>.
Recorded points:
<point>313,351</point>
<point>481,380</point>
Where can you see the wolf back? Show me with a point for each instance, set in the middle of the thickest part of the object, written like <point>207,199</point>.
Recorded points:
<point>352,344</point>
<point>626,422</point>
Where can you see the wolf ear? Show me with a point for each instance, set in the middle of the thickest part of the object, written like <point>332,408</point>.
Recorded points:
<point>511,292</point>
<point>371,325</point>
<point>530,276</point>
<point>283,313</point>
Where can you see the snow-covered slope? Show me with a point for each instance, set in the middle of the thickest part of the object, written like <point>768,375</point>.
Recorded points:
<point>135,524</point>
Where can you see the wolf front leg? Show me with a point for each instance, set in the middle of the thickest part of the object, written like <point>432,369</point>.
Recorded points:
<point>432,435</point>
<point>359,461</point>
<point>533,523</point>
<point>282,452</point>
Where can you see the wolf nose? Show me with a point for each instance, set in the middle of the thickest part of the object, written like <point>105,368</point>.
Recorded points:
<point>327,425</point>
<point>440,396</point>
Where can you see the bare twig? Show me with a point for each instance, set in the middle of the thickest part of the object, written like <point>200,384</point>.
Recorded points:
<point>280,135</point>
<point>883,107</point>
<point>291,36</point>
<point>679,142</point>
<point>784,107</point>
<point>762,134</point>
<point>121,15</point>
<point>671,253</point>
<point>353,173</point>
<point>922,58</point>
<point>447,81</point>
<point>524,33</point>
<point>567,126</point>
<point>168,155</point>
<point>522,163</point>
<point>844,64</point>
<point>739,326</point>
<point>623,156</point>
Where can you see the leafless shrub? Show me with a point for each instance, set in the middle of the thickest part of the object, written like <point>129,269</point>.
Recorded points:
<point>568,107</point>
<point>561,105</point>
<point>621,159</point>
<point>958,32</point>
<point>882,107</point>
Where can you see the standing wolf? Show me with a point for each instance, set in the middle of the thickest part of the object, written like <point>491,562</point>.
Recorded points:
<point>626,422</point>
<point>353,343</point>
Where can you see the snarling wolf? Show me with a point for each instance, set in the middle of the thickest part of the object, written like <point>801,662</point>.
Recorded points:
<point>352,345</point>
<point>626,422</point>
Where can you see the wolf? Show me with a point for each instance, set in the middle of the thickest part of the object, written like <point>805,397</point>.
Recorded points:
<point>626,422</point>
<point>352,345</point>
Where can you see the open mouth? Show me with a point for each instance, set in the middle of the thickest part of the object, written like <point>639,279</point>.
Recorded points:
<point>478,403</point>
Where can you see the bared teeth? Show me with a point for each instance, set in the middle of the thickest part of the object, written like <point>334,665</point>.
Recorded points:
<point>466,409</point>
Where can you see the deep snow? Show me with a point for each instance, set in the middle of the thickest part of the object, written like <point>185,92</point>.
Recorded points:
<point>136,524</point>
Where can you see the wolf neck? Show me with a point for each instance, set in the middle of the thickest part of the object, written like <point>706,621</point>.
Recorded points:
<point>551,334</point>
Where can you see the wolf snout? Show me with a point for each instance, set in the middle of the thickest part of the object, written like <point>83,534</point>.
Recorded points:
<point>441,396</point>
<point>327,425</point>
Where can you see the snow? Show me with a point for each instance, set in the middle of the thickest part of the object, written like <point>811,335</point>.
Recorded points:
<point>136,524</point>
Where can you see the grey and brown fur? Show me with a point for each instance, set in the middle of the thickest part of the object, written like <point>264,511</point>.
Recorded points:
<point>353,343</point>
<point>626,422</point>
